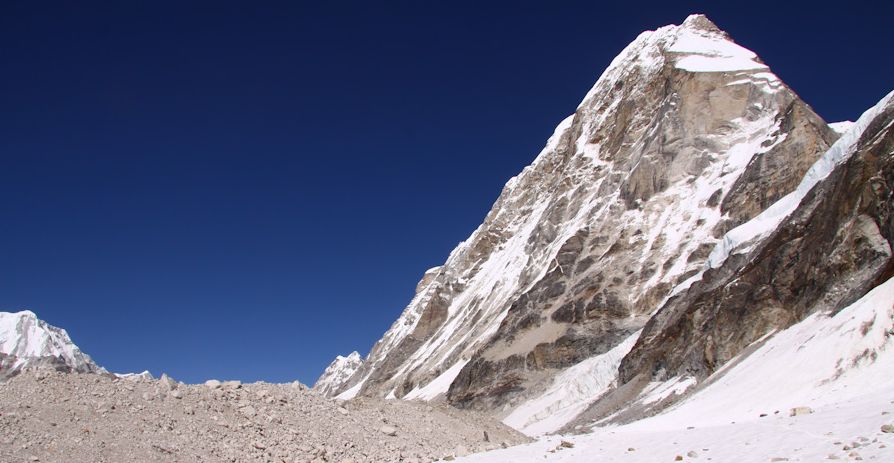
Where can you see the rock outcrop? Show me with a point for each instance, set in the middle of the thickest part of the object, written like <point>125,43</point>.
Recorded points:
<point>833,248</point>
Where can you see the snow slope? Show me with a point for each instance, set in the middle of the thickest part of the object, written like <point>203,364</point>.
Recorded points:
<point>839,366</point>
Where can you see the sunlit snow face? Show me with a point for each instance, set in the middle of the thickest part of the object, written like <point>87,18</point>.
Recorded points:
<point>701,52</point>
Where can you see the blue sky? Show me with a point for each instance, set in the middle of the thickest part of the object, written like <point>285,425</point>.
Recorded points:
<point>234,190</point>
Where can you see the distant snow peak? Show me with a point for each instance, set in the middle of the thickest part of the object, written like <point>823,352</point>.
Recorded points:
<point>28,342</point>
<point>339,371</point>
<point>144,376</point>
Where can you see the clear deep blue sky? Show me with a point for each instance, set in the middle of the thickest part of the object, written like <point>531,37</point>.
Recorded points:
<point>241,191</point>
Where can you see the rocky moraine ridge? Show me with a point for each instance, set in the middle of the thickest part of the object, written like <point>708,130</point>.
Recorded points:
<point>51,416</point>
<point>56,405</point>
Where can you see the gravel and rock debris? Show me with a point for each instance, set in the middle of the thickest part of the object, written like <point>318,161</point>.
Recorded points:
<point>71,418</point>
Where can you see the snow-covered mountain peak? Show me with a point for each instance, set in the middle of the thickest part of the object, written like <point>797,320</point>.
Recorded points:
<point>699,21</point>
<point>27,341</point>
<point>338,372</point>
<point>353,357</point>
<point>144,376</point>
<point>697,45</point>
<point>684,136</point>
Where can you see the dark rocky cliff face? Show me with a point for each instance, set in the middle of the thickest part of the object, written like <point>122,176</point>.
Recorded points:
<point>832,250</point>
<point>774,174</point>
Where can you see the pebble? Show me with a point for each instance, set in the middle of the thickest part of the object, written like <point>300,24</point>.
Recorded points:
<point>798,411</point>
